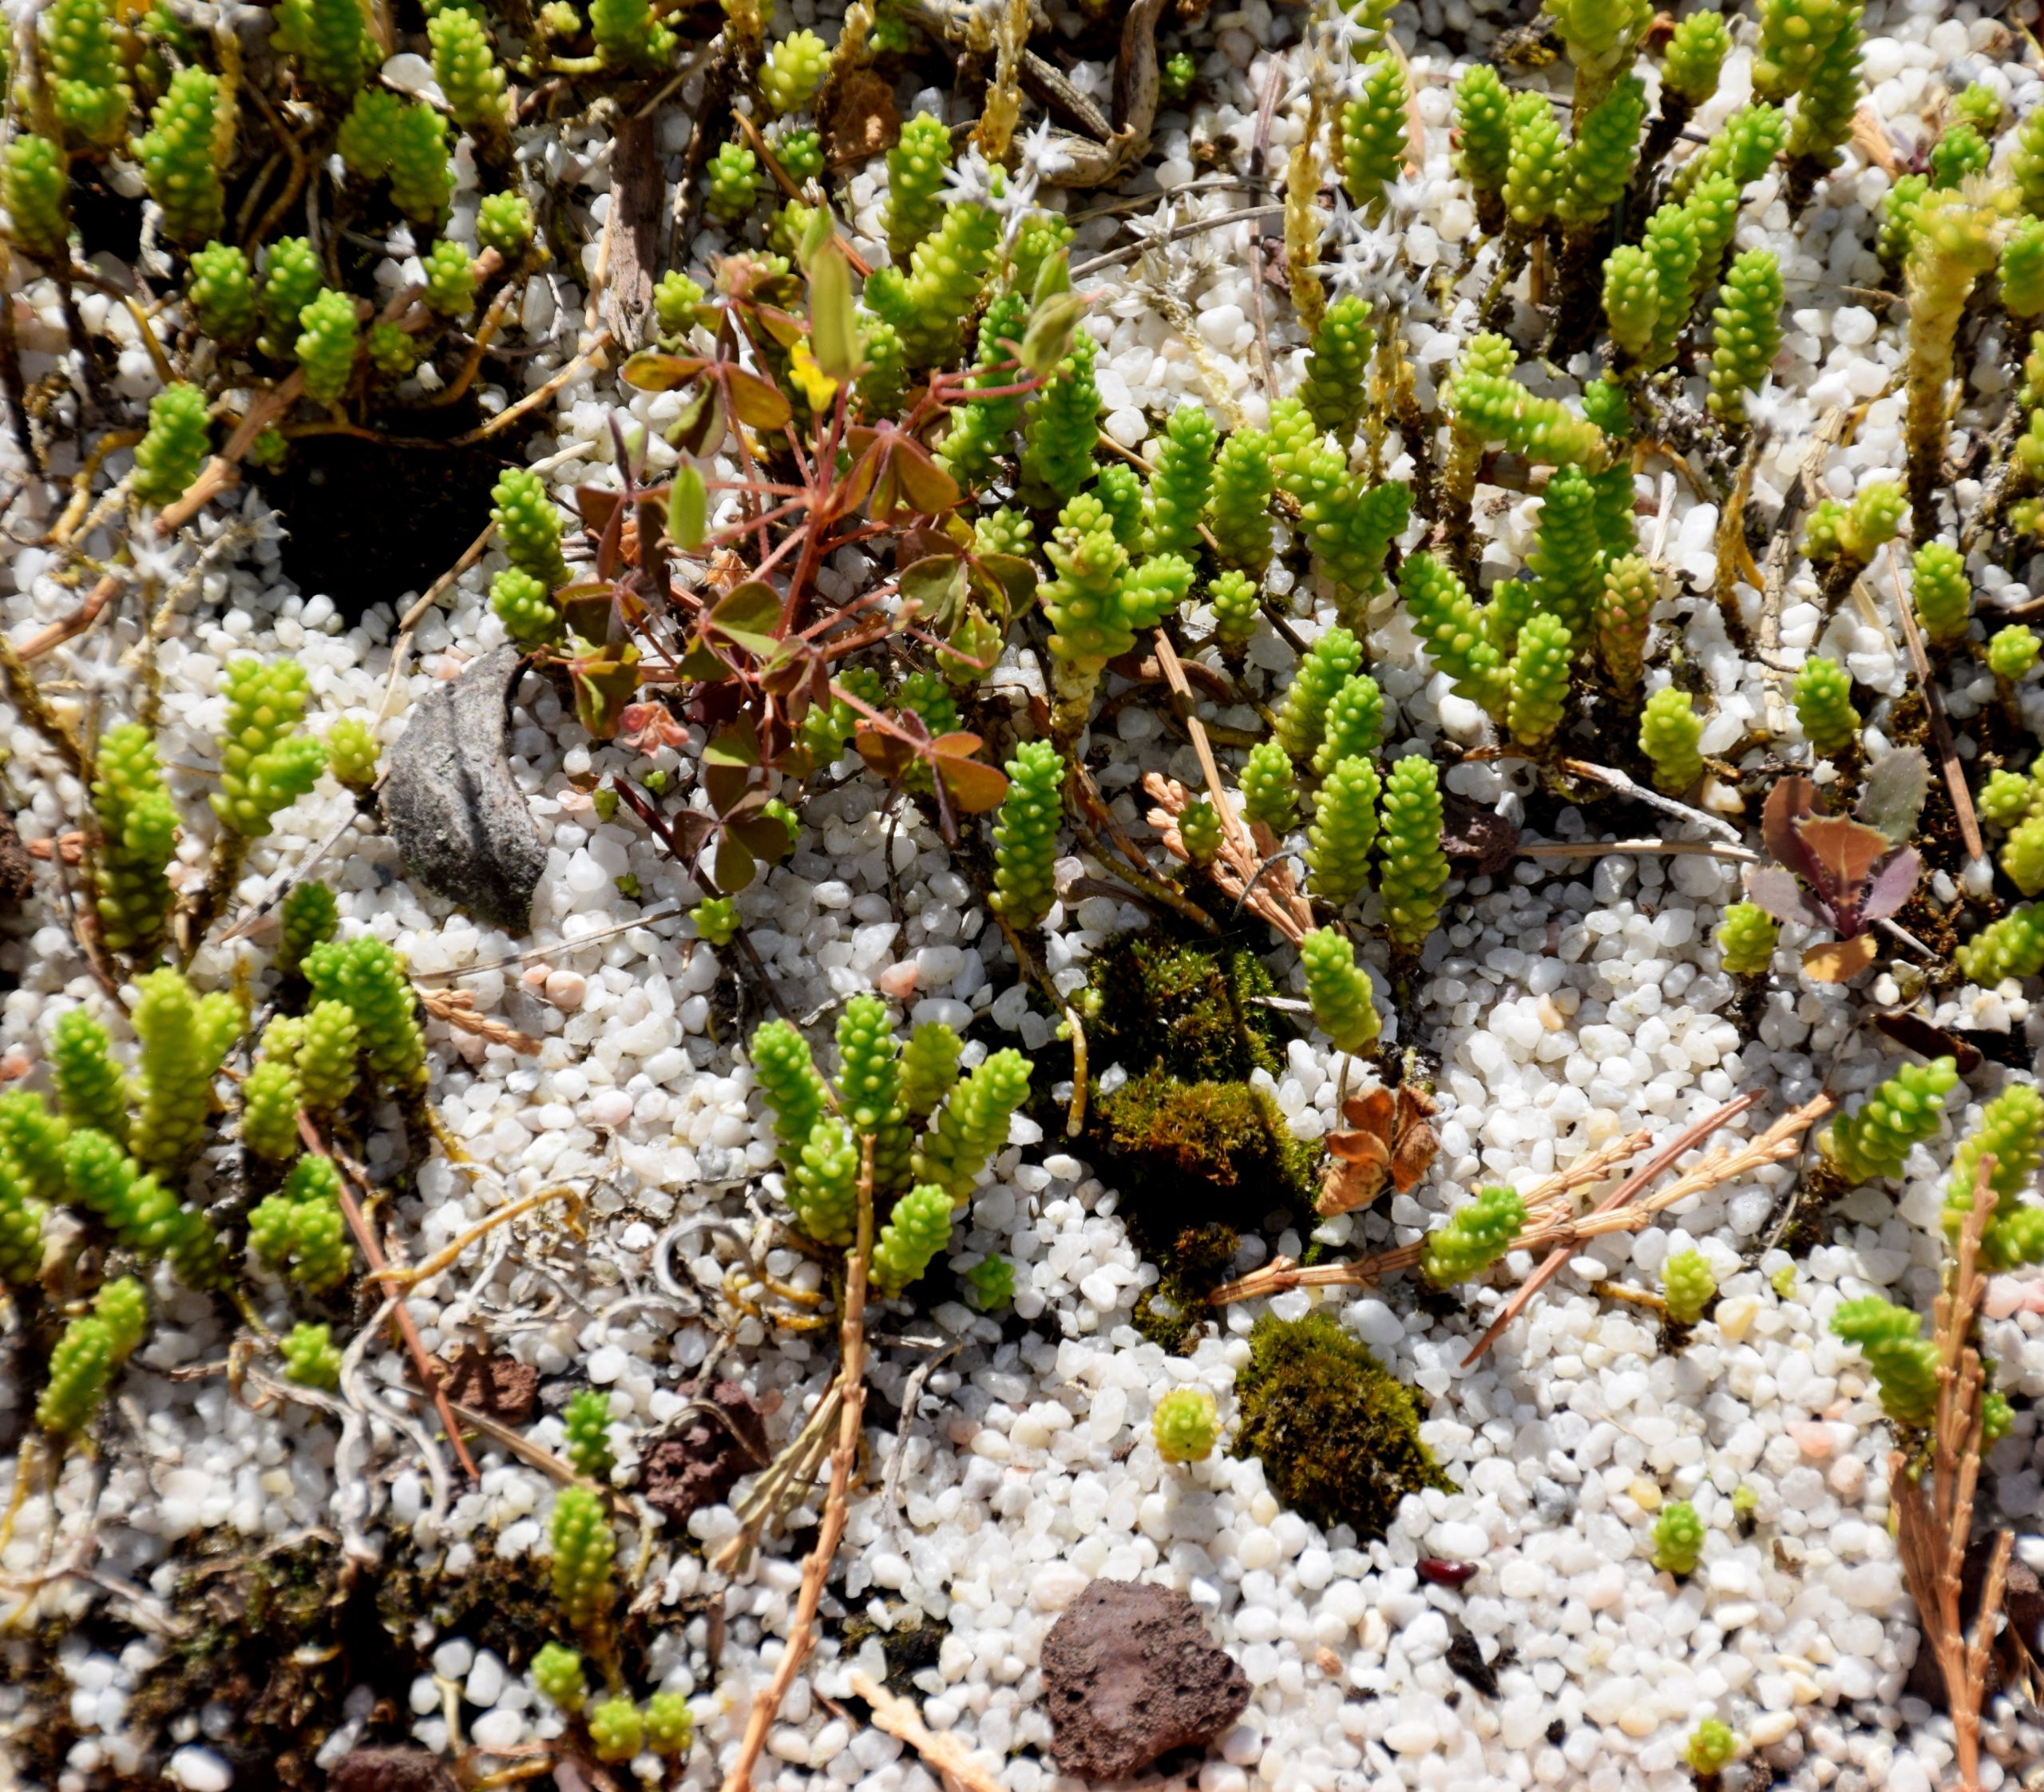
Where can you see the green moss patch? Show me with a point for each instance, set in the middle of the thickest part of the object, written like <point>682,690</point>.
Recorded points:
<point>1338,1434</point>
<point>1192,1265</point>
<point>1159,1002</point>
<point>1187,1152</point>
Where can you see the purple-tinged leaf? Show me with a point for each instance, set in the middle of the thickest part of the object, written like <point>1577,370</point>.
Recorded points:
<point>1893,885</point>
<point>1785,899</point>
<point>1791,799</point>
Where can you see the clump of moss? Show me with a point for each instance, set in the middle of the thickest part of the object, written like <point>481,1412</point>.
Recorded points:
<point>1191,1009</point>
<point>913,1643</point>
<point>1190,1267</point>
<point>1202,1150</point>
<point>1338,1434</point>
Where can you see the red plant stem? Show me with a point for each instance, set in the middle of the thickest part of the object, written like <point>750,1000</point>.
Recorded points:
<point>824,511</point>
<point>429,1372</point>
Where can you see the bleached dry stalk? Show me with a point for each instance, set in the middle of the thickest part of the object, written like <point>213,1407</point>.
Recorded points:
<point>851,1382</point>
<point>1722,1165</point>
<point>1935,1528</point>
<point>1283,1273</point>
<point>944,1752</point>
<point>1551,1227</point>
<point>422,1366</point>
<point>1247,867</point>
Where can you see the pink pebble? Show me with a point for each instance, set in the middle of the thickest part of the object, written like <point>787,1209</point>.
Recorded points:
<point>2003,1296</point>
<point>1813,1438</point>
<point>536,975</point>
<point>898,981</point>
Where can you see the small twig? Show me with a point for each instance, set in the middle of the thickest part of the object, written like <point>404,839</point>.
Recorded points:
<point>1690,1135</point>
<point>851,1379</point>
<point>26,696</point>
<point>1596,848</point>
<point>428,1374</point>
<point>401,649</point>
<point>49,639</point>
<point>944,1752</point>
<point>532,401</point>
<point>1282,1273</point>
<point>410,1275</point>
<point>911,1393</point>
<point>1032,968</point>
<point>1258,157</point>
<point>1116,258</point>
<point>1612,778</point>
<point>1935,1529</point>
<point>1933,705</point>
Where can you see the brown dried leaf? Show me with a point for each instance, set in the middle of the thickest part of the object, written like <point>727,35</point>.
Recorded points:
<point>1388,1139</point>
<point>1791,799</point>
<point>1916,1034</point>
<point>860,118</point>
<point>1481,835</point>
<point>1840,961</point>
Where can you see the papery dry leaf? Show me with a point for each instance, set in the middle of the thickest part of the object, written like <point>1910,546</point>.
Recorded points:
<point>1840,961</point>
<point>860,118</point>
<point>1871,140</point>
<point>1388,1139</point>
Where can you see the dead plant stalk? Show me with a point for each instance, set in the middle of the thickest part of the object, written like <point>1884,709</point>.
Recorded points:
<point>851,1381</point>
<point>1934,1527</point>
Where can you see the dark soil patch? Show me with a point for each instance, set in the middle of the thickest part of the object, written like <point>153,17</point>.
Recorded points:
<point>368,521</point>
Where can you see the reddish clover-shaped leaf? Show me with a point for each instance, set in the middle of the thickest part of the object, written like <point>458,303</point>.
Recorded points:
<point>756,402</point>
<point>937,584</point>
<point>1007,579</point>
<point>974,786</point>
<point>703,423</point>
<point>748,616</point>
<point>734,866</point>
<point>653,369</point>
<point>604,683</point>
<point>891,472</point>
<point>886,752</point>
<point>729,760</point>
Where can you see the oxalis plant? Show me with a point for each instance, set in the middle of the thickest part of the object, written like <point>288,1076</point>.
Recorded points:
<point>798,384</point>
<point>1841,873</point>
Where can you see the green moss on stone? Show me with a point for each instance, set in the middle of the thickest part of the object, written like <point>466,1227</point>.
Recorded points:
<point>1338,1434</point>
<point>1192,1009</point>
<point>1206,1149</point>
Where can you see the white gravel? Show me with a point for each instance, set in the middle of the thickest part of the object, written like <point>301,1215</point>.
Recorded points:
<point>1570,1001</point>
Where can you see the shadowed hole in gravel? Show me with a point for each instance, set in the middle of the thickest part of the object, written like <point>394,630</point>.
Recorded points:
<point>368,521</point>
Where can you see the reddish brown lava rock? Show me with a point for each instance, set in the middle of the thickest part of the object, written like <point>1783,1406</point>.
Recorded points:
<point>701,1461</point>
<point>390,1770</point>
<point>1131,1672</point>
<point>493,1382</point>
